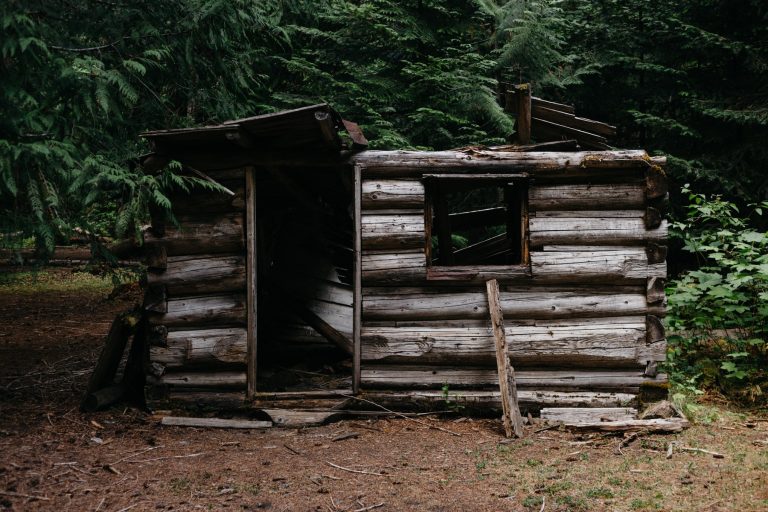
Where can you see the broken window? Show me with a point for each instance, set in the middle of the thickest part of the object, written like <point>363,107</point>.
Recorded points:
<point>476,221</point>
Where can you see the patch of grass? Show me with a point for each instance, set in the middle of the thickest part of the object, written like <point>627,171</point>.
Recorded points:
<point>572,502</point>
<point>557,487</point>
<point>599,492</point>
<point>532,463</point>
<point>532,501</point>
<point>179,485</point>
<point>31,282</point>
<point>247,488</point>
<point>638,504</point>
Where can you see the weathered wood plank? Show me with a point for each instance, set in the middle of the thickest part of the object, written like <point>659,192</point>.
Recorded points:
<point>392,231</point>
<point>392,194</point>
<point>357,279</point>
<point>588,414</point>
<point>577,230</point>
<point>437,304</point>
<point>209,347</point>
<point>182,421</point>
<point>185,275</point>
<point>612,342</point>
<point>198,235</point>
<point>569,119</point>
<point>234,380</point>
<point>252,290</point>
<point>193,311</point>
<point>544,163</point>
<point>513,422</point>
<point>624,265</point>
<point>421,377</point>
<point>614,196</point>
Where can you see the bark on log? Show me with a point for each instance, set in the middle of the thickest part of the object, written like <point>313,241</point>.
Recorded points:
<point>655,290</point>
<point>209,347</point>
<point>218,309</point>
<point>415,377</point>
<point>614,196</point>
<point>392,194</point>
<point>197,275</point>
<point>201,236</point>
<point>614,342</point>
<point>654,329</point>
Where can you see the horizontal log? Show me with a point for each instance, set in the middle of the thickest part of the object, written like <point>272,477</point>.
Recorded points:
<point>596,342</point>
<point>538,102</point>
<point>588,414</point>
<point>189,275</point>
<point>235,380</point>
<point>181,421</point>
<point>581,230</point>
<point>392,231</point>
<point>209,201</point>
<point>477,273</point>
<point>527,399</point>
<point>392,194</point>
<point>610,196</point>
<point>547,130</point>
<point>208,347</point>
<point>654,425</point>
<point>192,311</point>
<point>623,265</point>
<point>443,304</point>
<point>206,235</point>
<point>414,377</point>
<point>543,163</point>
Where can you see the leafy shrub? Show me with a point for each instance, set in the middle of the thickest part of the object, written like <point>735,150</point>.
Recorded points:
<point>718,313</point>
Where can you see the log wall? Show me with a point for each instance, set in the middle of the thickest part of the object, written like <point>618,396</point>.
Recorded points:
<point>576,314</point>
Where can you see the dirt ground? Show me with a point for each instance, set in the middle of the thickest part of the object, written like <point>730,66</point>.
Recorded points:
<point>55,458</point>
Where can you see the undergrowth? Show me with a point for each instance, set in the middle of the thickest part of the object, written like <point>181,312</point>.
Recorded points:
<point>718,313</point>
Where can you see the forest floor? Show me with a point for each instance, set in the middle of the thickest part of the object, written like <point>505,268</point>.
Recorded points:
<point>53,457</point>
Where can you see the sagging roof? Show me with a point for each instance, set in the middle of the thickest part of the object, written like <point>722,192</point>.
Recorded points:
<point>311,128</point>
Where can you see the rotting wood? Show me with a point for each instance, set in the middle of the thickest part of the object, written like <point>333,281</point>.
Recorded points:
<point>671,425</point>
<point>654,329</point>
<point>614,196</point>
<point>569,415</point>
<point>180,421</point>
<point>656,184</point>
<point>357,280</point>
<point>655,293</point>
<point>210,347</point>
<point>622,265</point>
<point>299,418</point>
<point>204,274</point>
<point>323,328</point>
<point>109,359</point>
<point>653,218</point>
<point>104,397</point>
<point>155,299</point>
<point>656,254</point>
<point>203,311</point>
<point>513,422</point>
<point>156,258</point>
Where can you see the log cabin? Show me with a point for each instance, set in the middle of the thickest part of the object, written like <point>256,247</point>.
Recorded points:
<point>321,270</point>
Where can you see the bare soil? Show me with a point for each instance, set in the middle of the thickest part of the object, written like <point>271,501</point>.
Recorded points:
<point>55,458</point>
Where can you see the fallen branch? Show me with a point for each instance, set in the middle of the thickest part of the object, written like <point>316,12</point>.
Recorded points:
<point>20,495</point>
<point>701,450</point>
<point>360,471</point>
<point>371,507</point>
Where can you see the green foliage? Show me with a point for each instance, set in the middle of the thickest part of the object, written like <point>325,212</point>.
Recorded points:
<point>719,311</point>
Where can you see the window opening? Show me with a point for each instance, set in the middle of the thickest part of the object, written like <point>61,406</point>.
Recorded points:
<point>476,222</point>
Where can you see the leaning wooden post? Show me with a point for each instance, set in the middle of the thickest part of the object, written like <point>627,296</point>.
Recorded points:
<point>513,422</point>
<point>523,125</point>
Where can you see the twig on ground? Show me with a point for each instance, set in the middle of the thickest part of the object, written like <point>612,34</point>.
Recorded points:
<point>543,503</point>
<point>348,435</point>
<point>292,449</point>
<point>20,495</point>
<point>670,449</point>
<point>371,507</point>
<point>548,427</point>
<point>360,471</point>
<point>701,450</point>
<point>134,454</point>
<point>166,458</point>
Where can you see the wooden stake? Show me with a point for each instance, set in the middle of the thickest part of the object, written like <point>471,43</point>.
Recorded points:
<point>523,125</point>
<point>513,422</point>
<point>252,290</point>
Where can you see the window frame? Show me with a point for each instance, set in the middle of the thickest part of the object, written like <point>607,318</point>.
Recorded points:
<point>434,193</point>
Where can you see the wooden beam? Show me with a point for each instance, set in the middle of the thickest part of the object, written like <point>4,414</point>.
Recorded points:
<point>179,421</point>
<point>324,328</point>
<point>357,295</point>
<point>513,422</point>
<point>523,125</point>
<point>251,281</point>
<point>552,105</point>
